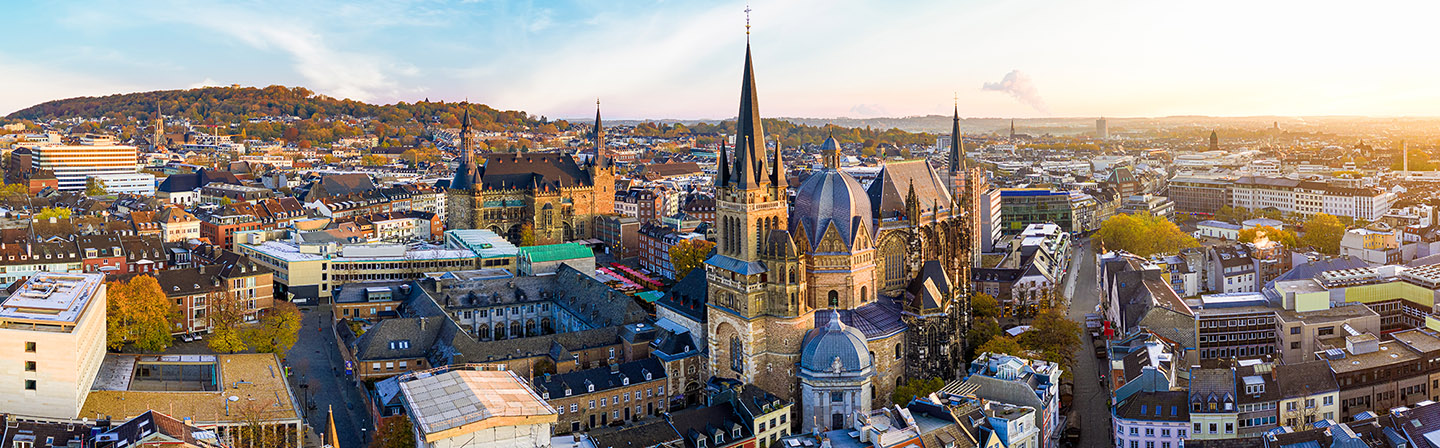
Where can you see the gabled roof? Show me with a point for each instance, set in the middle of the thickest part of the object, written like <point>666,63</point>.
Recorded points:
<point>889,189</point>
<point>400,338</point>
<point>533,170</point>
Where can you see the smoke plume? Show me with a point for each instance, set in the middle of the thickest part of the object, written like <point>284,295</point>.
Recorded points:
<point>1019,86</point>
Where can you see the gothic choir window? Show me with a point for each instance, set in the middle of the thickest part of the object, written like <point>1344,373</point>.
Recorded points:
<point>737,361</point>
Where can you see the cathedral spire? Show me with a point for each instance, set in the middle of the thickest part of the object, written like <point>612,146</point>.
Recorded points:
<point>749,132</point>
<point>777,169</point>
<point>957,146</point>
<point>722,167</point>
<point>601,158</point>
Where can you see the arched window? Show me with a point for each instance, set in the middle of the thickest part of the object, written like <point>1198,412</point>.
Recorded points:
<point>899,353</point>
<point>864,294</point>
<point>834,299</point>
<point>737,358</point>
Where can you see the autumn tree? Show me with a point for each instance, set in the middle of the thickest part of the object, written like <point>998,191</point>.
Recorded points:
<point>1143,234</point>
<point>687,255</point>
<point>1054,336</point>
<point>527,235</point>
<point>1002,344</point>
<point>54,212</point>
<point>94,187</point>
<point>1284,237</point>
<point>277,331</point>
<point>916,388</point>
<point>374,160</point>
<point>394,433</point>
<point>138,312</point>
<point>227,314</point>
<point>984,305</point>
<point>423,154</point>
<point>1323,232</point>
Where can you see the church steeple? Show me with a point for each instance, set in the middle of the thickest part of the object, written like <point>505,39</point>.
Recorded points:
<point>777,169</point>
<point>957,146</point>
<point>749,133</point>
<point>602,158</point>
<point>468,173</point>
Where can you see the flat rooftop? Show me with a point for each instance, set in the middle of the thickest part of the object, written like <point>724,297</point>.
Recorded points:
<point>256,381</point>
<point>1333,314</point>
<point>1390,352</point>
<point>470,400</point>
<point>51,298</point>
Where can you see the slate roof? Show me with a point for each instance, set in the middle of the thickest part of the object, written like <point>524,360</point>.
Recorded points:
<point>704,422</point>
<point>688,297</point>
<point>831,198</point>
<point>887,192</point>
<point>928,290</point>
<point>532,170</point>
<point>153,427</point>
<point>1216,384</point>
<point>601,377</point>
<point>640,436</point>
<point>876,319</point>
<point>1164,406</point>
<point>835,341</point>
<point>1002,275</point>
<point>1306,378</point>
<point>400,338</point>
<point>1004,391</point>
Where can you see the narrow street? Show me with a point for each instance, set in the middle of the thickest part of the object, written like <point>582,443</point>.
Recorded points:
<point>1091,408</point>
<point>319,379</point>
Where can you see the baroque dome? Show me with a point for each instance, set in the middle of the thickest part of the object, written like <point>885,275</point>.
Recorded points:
<point>830,196</point>
<point>837,348</point>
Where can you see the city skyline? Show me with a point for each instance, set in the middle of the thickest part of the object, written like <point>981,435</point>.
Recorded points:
<point>816,59</point>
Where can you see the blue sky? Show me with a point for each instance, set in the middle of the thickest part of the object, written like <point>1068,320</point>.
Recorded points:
<point>814,58</point>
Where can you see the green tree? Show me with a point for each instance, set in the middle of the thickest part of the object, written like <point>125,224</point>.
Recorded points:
<point>137,311</point>
<point>916,388</point>
<point>1143,234</point>
<point>980,333</point>
<point>688,255</point>
<point>1054,336</point>
<point>1323,232</point>
<point>277,331</point>
<point>54,212</point>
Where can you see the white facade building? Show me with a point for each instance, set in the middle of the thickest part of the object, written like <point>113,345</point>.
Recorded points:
<point>72,164</point>
<point>142,184</point>
<point>53,330</point>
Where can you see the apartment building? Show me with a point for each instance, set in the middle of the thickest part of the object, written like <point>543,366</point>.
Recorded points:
<point>1199,194</point>
<point>1307,198</point>
<point>53,328</point>
<point>598,397</point>
<point>1152,419</point>
<point>1234,326</point>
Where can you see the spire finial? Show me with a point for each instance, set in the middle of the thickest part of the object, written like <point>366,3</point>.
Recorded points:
<point>747,21</point>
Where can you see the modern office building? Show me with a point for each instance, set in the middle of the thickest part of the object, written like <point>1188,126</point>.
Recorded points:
<point>72,164</point>
<point>1023,207</point>
<point>53,333</point>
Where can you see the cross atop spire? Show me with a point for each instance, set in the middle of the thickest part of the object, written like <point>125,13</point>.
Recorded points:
<point>747,21</point>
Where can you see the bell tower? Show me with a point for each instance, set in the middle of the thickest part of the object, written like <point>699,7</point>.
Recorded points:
<point>746,340</point>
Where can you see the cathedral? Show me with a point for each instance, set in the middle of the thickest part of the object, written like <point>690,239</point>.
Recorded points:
<point>556,196</point>
<point>835,301</point>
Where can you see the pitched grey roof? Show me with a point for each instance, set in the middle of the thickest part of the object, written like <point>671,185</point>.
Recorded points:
<point>831,198</point>
<point>1004,391</point>
<point>400,338</point>
<point>603,378</point>
<point>1170,405</point>
<point>887,192</point>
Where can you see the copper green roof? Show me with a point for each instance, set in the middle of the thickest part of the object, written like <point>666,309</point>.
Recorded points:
<point>554,252</point>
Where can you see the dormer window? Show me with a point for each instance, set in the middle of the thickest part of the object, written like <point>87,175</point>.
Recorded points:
<point>736,433</point>
<point>625,381</point>
<point>699,443</point>
<point>719,439</point>
<point>647,373</point>
<point>589,387</point>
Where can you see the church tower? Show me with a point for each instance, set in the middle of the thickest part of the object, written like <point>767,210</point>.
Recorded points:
<point>602,175</point>
<point>755,317</point>
<point>460,197</point>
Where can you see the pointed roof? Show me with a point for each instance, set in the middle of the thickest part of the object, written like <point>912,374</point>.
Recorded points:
<point>601,159</point>
<point>467,172</point>
<point>749,132</point>
<point>332,438</point>
<point>722,169</point>
<point>957,151</point>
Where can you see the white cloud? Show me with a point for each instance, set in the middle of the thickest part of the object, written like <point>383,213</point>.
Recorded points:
<point>24,84</point>
<point>207,82</point>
